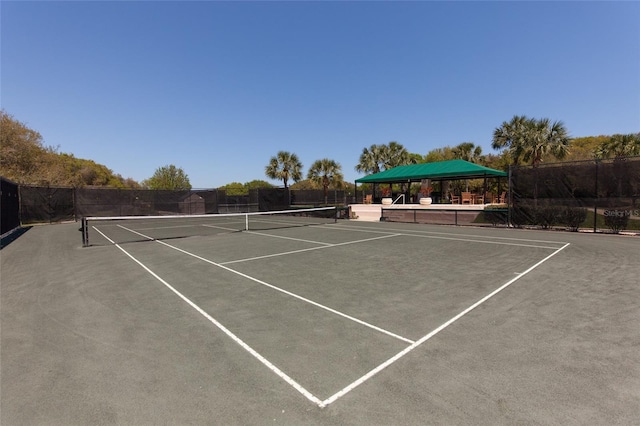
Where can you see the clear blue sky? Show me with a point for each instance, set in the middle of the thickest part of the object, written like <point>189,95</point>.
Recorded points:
<point>218,88</point>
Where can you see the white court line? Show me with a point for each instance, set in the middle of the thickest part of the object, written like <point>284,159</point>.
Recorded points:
<point>288,238</point>
<point>380,367</point>
<point>281,290</point>
<point>288,293</point>
<point>413,232</point>
<point>225,330</point>
<point>220,227</point>
<point>446,324</point>
<point>266,256</point>
<point>466,240</point>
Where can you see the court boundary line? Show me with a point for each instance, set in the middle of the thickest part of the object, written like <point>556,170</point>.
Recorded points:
<point>434,332</point>
<point>353,385</point>
<point>369,229</point>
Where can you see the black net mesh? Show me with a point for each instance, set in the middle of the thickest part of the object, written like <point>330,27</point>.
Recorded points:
<point>236,203</point>
<point>316,197</point>
<point>443,216</point>
<point>127,229</point>
<point>599,194</point>
<point>272,199</point>
<point>129,202</point>
<point>46,204</point>
<point>9,206</point>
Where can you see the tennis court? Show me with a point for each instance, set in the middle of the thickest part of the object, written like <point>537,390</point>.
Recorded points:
<point>337,322</point>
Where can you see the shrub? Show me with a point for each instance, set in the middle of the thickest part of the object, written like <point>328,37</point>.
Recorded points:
<point>547,216</point>
<point>573,217</point>
<point>496,216</point>
<point>616,220</point>
<point>522,215</point>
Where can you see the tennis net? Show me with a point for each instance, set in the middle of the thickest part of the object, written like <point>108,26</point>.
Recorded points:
<point>126,229</point>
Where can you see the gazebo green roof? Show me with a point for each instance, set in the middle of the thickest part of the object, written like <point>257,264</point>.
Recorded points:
<point>441,170</point>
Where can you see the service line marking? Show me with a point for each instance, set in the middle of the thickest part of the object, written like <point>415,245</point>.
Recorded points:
<point>326,245</point>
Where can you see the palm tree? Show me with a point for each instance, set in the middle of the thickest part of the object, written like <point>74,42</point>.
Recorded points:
<point>371,160</point>
<point>546,138</point>
<point>326,172</point>
<point>395,155</point>
<point>284,166</point>
<point>530,140</point>
<point>468,151</point>
<point>619,146</point>
<point>513,136</point>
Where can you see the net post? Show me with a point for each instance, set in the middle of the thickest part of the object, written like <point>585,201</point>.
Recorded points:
<point>85,233</point>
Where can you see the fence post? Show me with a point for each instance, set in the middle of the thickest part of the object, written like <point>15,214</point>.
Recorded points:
<point>595,204</point>
<point>509,193</point>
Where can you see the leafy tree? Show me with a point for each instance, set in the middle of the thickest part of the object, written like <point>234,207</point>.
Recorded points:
<point>284,166</point>
<point>235,188</point>
<point>168,177</point>
<point>25,159</point>
<point>439,154</point>
<point>584,148</point>
<point>22,153</point>
<point>326,172</point>
<point>305,184</point>
<point>257,184</point>
<point>531,140</point>
<point>619,146</point>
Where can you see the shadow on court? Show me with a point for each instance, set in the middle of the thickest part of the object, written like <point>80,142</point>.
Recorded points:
<point>12,236</point>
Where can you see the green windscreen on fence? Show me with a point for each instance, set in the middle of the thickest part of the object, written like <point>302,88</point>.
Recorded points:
<point>602,194</point>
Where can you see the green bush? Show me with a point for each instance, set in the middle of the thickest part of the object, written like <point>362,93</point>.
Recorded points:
<point>616,220</point>
<point>496,216</point>
<point>573,217</point>
<point>547,216</point>
<point>522,215</point>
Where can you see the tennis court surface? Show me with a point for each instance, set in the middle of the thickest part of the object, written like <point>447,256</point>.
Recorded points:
<point>334,323</point>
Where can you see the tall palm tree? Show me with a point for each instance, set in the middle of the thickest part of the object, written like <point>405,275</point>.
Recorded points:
<point>512,136</point>
<point>394,155</point>
<point>546,138</point>
<point>326,172</point>
<point>530,140</point>
<point>468,151</point>
<point>371,160</point>
<point>284,166</point>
